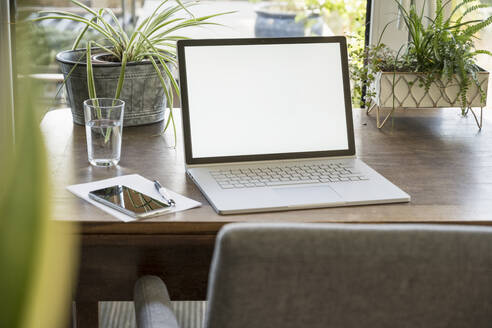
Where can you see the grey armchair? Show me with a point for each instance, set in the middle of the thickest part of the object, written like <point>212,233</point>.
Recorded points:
<point>339,275</point>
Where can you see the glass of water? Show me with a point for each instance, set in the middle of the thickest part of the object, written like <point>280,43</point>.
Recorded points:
<point>103,129</point>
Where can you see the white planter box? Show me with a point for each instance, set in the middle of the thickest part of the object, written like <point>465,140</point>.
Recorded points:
<point>408,94</point>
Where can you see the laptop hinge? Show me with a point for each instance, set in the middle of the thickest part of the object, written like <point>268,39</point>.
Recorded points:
<point>271,161</point>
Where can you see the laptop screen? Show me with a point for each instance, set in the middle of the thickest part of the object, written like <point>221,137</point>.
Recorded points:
<point>260,99</point>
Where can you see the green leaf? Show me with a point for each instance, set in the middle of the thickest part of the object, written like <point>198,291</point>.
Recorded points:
<point>121,79</point>
<point>79,37</point>
<point>81,5</point>
<point>115,19</point>
<point>481,52</point>
<point>471,30</point>
<point>90,76</point>
<point>106,49</point>
<point>169,97</point>
<point>81,20</point>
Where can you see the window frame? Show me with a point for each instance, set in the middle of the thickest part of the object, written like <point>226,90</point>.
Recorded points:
<point>382,13</point>
<point>7,119</point>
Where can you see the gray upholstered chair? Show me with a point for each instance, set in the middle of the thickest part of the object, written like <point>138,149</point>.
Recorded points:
<point>341,276</point>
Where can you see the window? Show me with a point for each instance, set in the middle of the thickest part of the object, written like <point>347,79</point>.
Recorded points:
<point>249,19</point>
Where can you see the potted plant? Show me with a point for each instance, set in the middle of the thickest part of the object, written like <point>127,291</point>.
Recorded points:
<point>435,68</point>
<point>137,67</point>
<point>289,18</point>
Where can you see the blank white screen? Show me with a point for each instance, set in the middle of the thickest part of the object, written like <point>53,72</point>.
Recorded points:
<point>265,99</point>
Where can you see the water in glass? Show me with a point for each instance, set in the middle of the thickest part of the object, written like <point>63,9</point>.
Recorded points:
<point>103,142</point>
<point>103,129</point>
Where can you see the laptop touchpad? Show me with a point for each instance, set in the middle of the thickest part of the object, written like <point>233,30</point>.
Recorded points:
<point>308,195</point>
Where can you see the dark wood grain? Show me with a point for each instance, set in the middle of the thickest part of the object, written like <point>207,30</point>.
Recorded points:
<point>182,261</point>
<point>438,157</point>
<point>86,314</point>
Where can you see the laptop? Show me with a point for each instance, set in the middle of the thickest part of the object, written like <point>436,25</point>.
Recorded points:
<point>268,125</point>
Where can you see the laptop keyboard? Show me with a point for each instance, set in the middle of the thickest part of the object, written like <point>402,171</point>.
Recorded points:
<point>286,175</point>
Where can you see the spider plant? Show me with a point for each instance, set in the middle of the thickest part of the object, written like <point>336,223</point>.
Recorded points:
<point>153,40</point>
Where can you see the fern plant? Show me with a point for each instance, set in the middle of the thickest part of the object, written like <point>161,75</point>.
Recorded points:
<point>153,40</point>
<point>438,48</point>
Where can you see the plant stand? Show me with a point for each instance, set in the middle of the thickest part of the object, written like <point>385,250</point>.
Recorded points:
<point>402,91</point>
<point>478,119</point>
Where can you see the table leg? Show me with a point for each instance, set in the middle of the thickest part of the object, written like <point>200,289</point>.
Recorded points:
<point>86,314</point>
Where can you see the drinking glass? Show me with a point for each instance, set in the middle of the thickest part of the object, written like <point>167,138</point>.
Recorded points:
<point>103,130</point>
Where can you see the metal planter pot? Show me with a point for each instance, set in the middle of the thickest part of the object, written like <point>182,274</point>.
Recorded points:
<point>401,90</point>
<point>142,91</point>
<point>273,23</point>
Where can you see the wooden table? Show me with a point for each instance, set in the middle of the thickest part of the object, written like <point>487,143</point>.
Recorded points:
<point>438,157</point>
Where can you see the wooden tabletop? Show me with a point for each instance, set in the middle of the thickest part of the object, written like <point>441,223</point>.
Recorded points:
<point>435,155</point>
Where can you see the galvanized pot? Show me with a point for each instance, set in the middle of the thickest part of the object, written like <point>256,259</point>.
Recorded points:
<point>142,91</point>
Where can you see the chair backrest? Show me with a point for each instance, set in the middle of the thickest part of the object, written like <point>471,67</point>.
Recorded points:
<point>351,275</point>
